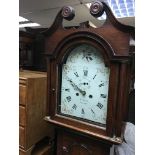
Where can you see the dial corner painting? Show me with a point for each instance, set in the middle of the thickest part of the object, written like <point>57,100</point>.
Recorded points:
<point>84,85</point>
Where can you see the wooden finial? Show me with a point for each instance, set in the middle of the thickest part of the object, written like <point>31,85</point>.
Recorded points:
<point>68,12</point>
<point>97,9</point>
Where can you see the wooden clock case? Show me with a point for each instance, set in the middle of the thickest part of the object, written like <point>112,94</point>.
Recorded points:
<point>112,39</point>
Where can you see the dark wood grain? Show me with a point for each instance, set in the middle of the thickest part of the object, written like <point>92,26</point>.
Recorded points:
<point>31,49</point>
<point>74,144</point>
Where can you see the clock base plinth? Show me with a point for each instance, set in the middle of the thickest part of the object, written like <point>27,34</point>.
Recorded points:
<point>70,143</point>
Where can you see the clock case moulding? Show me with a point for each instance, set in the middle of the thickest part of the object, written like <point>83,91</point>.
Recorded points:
<point>112,39</point>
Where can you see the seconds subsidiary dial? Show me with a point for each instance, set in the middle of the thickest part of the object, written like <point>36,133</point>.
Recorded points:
<point>84,85</point>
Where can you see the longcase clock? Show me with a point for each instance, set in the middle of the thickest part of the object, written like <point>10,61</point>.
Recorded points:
<point>88,72</point>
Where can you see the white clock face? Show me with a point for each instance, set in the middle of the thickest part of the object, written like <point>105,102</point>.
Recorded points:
<point>85,83</point>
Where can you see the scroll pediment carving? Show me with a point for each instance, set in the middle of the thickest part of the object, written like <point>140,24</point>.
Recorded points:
<point>97,9</point>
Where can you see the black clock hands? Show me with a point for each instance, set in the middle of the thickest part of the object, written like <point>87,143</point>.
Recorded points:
<point>76,87</point>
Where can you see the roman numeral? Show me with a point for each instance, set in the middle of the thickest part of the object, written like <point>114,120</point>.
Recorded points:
<point>99,105</point>
<point>92,111</point>
<point>76,74</point>
<point>68,98</point>
<point>68,90</point>
<point>82,111</point>
<point>85,72</point>
<point>74,106</point>
<point>102,84</point>
<point>103,95</point>
<point>94,77</point>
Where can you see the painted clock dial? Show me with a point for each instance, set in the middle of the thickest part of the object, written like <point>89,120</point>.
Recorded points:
<point>84,85</point>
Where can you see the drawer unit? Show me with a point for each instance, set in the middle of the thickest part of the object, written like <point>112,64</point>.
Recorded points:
<point>32,110</point>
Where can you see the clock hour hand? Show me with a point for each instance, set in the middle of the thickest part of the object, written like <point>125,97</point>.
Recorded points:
<point>76,87</point>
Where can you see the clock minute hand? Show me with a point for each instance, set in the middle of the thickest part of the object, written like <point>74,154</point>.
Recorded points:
<point>76,87</point>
